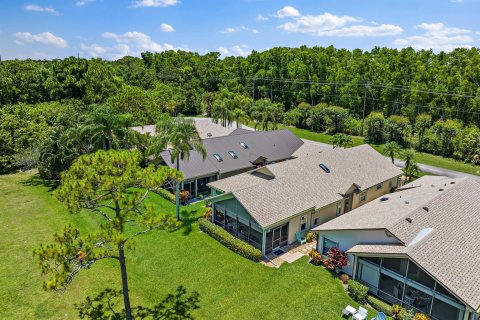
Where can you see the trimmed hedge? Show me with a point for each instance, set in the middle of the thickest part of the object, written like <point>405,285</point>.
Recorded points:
<point>166,195</point>
<point>236,245</point>
<point>358,291</point>
<point>380,306</point>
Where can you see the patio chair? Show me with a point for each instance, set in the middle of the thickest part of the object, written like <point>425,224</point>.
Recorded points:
<point>299,238</point>
<point>348,311</point>
<point>361,314</point>
<point>380,316</point>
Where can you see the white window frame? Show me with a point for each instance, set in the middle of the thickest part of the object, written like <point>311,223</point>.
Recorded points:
<point>364,195</point>
<point>304,217</point>
<point>315,216</point>
<point>379,186</point>
<point>339,208</point>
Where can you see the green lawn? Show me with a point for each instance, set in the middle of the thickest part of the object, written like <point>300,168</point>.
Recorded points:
<point>230,286</point>
<point>422,157</point>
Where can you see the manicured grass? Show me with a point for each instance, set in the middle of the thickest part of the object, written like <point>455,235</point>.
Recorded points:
<point>230,287</point>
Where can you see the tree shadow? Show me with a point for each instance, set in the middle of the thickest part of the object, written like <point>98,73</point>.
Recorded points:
<point>188,218</point>
<point>36,181</point>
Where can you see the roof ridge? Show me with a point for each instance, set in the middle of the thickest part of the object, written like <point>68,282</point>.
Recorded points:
<point>458,181</point>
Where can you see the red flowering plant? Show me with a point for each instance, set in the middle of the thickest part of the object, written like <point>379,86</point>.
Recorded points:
<point>336,259</point>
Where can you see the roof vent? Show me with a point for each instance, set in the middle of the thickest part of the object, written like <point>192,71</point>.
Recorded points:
<point>453,182</point>
<point>233,154</point>
<point>407,202</point>
<point>384,199</point>
<point>218,157</point>
<point>409,220</point>
<point>324,168</point>
<point>425,208</point>
<point>244,145</point>
<point>440,189</point>
<point>209,134</point>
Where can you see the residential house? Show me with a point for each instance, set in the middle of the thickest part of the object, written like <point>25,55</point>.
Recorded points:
<point>240,151</point>
<point>267,206</point>
<point>418,247</point>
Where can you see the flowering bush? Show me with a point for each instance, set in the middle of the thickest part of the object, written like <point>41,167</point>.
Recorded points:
<point>315,257</point>
<point>344,277</point>
<point>336,259</point>
<point>184,194</point>
<point>400,313</point>
<point>311,236</point>
<point>328,264</point>
<point>208,214</point>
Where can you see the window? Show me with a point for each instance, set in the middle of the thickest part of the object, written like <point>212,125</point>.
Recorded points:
<point>363,197</point>
<point>327,245</point>
<point>396,265</point>
<point>303,223</point>
<point>315,218</point>
<point>233,154</point>
<point>379,186</point>
<point>218,157</point>
<point>244,145</point>
<point>339,208</point>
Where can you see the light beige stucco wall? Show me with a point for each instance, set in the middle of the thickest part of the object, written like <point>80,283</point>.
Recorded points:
<point>373,193</point>
<point>328,213</point>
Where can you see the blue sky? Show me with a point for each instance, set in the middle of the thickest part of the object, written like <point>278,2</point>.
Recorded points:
<point>113,28</point>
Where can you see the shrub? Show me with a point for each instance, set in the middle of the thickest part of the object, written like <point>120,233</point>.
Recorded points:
<point>400,313</point>
<point>311,236</point>
<point>344,277</point>
<point>336,258</point>
<point>166,195</point>
<point>315,257</point>
<point>379,305</point>
<point>208,214</point>
<point>229,241</point>
<point>357,291</point>
<point>184,194</point>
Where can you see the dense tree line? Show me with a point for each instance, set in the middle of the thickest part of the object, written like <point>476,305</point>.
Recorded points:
<point>418,98</point>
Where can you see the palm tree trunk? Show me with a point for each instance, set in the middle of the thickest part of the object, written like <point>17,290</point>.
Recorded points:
<point>177,192</point>
<point>126,295</point>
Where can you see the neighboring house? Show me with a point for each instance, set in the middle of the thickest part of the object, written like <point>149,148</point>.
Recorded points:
<point>240,151</point>
<point>418,247</point>
<point>269,205</point>
<point>205,126</point>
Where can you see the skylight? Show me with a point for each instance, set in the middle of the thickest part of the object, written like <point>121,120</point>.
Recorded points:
<point>233,154</point>
<point>244,145</point>
<point>218,157</point>
<point>324,168</point>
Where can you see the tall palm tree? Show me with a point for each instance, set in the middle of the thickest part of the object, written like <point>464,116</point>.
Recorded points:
<point>411,168</point>
<point>222,111</point>
<point>391,149</point>
<point>266,114</point>
<point>106,127</point>
<point>239,116</point>
<point>180,136</point>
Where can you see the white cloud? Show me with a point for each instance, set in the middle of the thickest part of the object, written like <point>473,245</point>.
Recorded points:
<point>37,8</point>
<point>363,31</point>
<point>237,50</point>
<point>127,44</point>
<point>287,11</point>
<point>81,3</point>
<point>166,27</point>
<point>261,17</point>
<point>234,29</point>
<point>330,25</point>
<point>456,1</point>
<point>238,29</point>
<point>44,38</point>
<point>438,37</point>
<point>154,3</point>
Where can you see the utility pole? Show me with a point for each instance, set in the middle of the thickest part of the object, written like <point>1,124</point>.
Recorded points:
<point>364,104</point>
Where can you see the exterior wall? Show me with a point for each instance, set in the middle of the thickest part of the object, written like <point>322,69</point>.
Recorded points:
<point>373,193</point>
<point>346,239</point>
<point>294,225</point>
<point>328,213</point>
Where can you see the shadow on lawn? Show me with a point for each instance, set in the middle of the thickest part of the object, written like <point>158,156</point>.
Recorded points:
<point>36,181</point>
<point>188,218</point>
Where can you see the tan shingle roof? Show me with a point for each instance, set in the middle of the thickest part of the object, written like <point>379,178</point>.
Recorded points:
<point>451,251</point>
<point>378,249</point>
<point>300,184</point>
